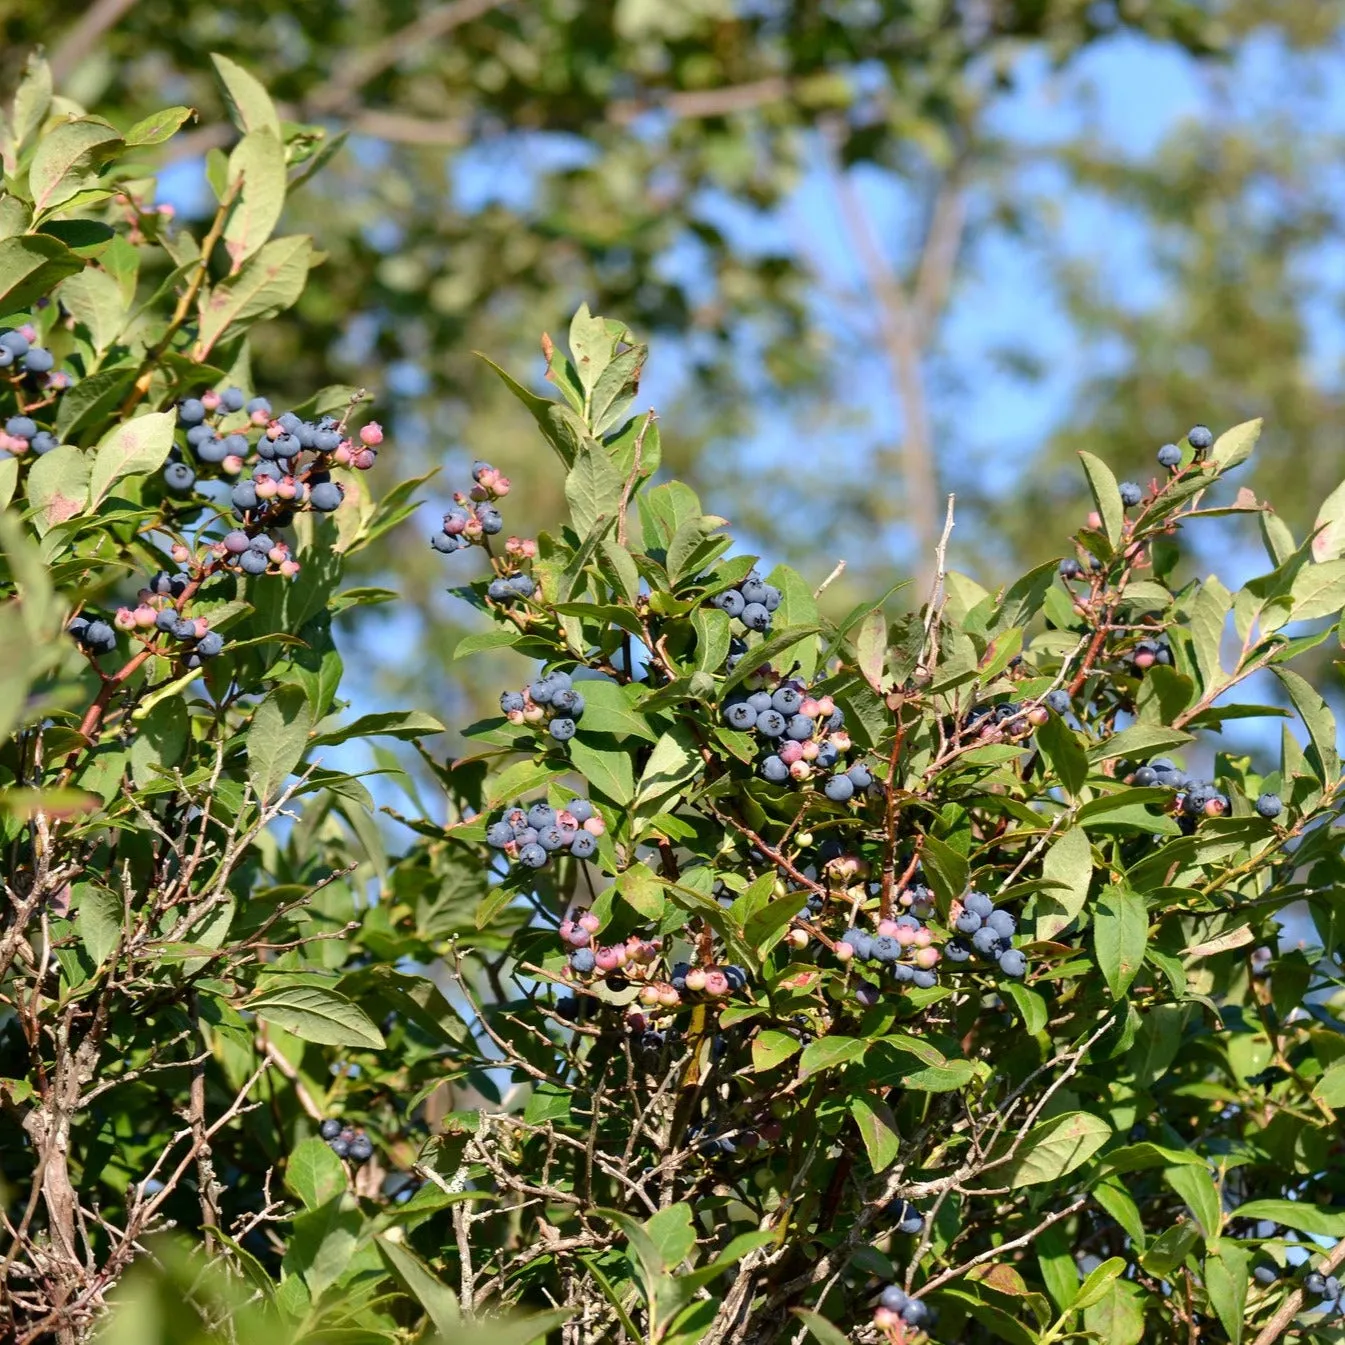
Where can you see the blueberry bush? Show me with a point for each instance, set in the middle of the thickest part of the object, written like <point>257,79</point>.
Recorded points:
<point>760,973</point>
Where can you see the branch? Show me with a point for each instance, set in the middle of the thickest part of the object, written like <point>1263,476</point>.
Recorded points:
<point>101,16</point>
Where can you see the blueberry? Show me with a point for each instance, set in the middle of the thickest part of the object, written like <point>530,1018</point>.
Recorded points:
<point>739,715</point>
<point>564,700</point>
<point>361,1149</point>
<point>1002,923</point>
<point>14,342</point>
<point>43,442</point>
<point>753,591</point>
<point>730,602</point>
<point>21,427</point>
<point>1070,568</point>
<point>827,756</point>
<point>165,619</point>
<point>541,690</point>
<point>1131,494</point>
<point>541,815</point>
<point>231,399</point>
<point>978,902</point>
<point>756,617</point>
<point>787,700</point>
<point>1269,805</point>
<point>1013,962</point>
<point>885,949</point>
<point>1145,777</point>
<point>580,809</point>
<point>253,562</point>
<point>214,450</point>
<point>325,497</point>
<point>986,942</point>
<point>39,361</point>
<point>244,496</point>
<point>1170,456</point>
<point>1266,1275</point>
<point>770,724</point>
<point>179,478</point>
<point>922,979</point>
<point>839,788</point>
<point>860,775</point>
<point>905,1216</point>
<point>915,1313</point>
<point>551,838</point>
<point>1058,700</point>
<point>968,922</point>
<point>584,845</point>
<point>330,1128</point>
<point>562,730</point>
<point>447,545</point>
<point>956,951</point>
<point>191,412</point>
<point>490,519</point>
<point>499,834</point>
<point>772,598</point>
<point>511,702</point>
<point>523,585</point>
<point>99,636</point>
<point>340,1147</point>
<point>184,628</point>
<point>498,589</point>
<point>774,770</point>
<point>532,855</point>
<point>800,728</point>
<point>583,961</point>
<point>235,543</point>
<point>893,1298</point>
<point>1315,1284</point>
<point>1200,437</point>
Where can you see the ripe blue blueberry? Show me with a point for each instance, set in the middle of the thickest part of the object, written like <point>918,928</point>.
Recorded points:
<point>756,617</point>
<point>956,951</point>
<point>43,442</point>
<point>986,942</point>
<point>1200,437</point>
<point>787,700</point>
<point>184,628</point>
<point>753,590</point>
<point>213,450</point>
<point>978,902</point>
<point>490,519</point>
<point>178,477</point>
<point>258,405</point>
<point>523,585</point>
<point>1002,923</point>
<point>580,809</point>
<point>730,602</point>
<point>235,543</point>
<point>772,597</point>
<point>827,756</point>
<point>770,724</point>
<point>1170,456</point>
<point>165,619</point>
<point>361,1149</point>
<point>191,412</point>
<point>1131,494</point>
<point>210,644</point>
<point>739,715</point>
<point>39,361</point>
<point>499,834</point>
<point>839,788</point>
<point>244,496</point>
<point>1058,700</point>
<point>800,728</point>
<point>21,427</point>
<point>1013,962</point>
<point>1269,805</point>
<point>16,343</point>
<point>498,589</point>
<point>511,702</point>
<point>583,845</point>
<point>1070,568</point>
<point>860,775</point>
<point>446,545</point>
<point>923,979</point>
<point>893,1298</point>
<point>564,700</point>
<point>231,399</point>
<point>330,1128</point>
<point>326,497</point>
<point>532,855</point>
<point>551,838</point>
<point>583,961</point>
<point>774,770</point>
<point>541,815</point>
<point>99,636</point>
<point>967,922</point>
<point>885,949</point>
<point>760,700</point>
<point>562,730</point>
<point>906,1217</point>
<point>253,562</point>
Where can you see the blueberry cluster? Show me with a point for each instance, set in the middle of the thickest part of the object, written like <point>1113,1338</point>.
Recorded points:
<point>1148,652</point>
<point>714,1139</point>
<point>987,932</point>
<point>906,937</point>
<point>550,700</point>
<point>473,518</point>
<point>345,1141</point>
<point>1327,1288</point>
<point>806,732</point>
<point>22,434</point>
<point>1010,719</point>
<point>533,835</point>
<point>1072,568</point>
<point>752,602</point>
<point>93,635</point>
<point>618,963</point>
<point>710,981</point>
<point>897,1309</point>
<point>27,370</point>
<point>1195,797</point>
<point>291,459</point>
<point>157,612</point>
<point>17,348</point>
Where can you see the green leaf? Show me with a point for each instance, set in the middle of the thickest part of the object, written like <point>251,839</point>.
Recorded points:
<point>64,158</point>
<point>673,1233</point>
<point>798,608</point>
<point>1196,1187</point>
<point>1317,719</point>
<point>404,724</point>
<point>1106,496</point>
<point>277,738</point>
<point>592,488</point>
<point>1068,864</point>
<point>1065,753</point>
<point>257,175</point>
<point>766,927</point>
<point>31,266</point>
<point>157,127</point>
<point>1317,591</point>
<point>828,1052</point>
<point>1235,446</point>
<point>771,1048</point>
<point>1053,1149</point>
<point>1140,741</point>
<point>314,1173</point>
<point>1094,1288</point>
<point>1031,1006</point>
<point>1328,542</point>
<point>98,919</point>
<point>1120,934</point>
<point>877,1128</point>
<point>1298,1214</point>
<point>267,284</point>
<point>58,487</point>
<point>32,99</point>
<point>606,766</point>
<point>438,1300</point>
<point>821,1330</point>
<point>610,708</point>
<point>641,889</point>
<point>250,106</point>
<point>1118,1316</point>
<point>947,869</point>
<point>130,449</point>
<point>1330,1088</point>
<point>314,1013</point>
<point>590,347</point>
<point>674,761</point>
<point>94,298</point>
<point>765,653</point>
<point>1226,1276</point>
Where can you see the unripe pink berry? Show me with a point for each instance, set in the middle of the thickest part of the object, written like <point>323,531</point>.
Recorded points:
<point>125,619</point>
<point>372,434</point>
<point>1094,519</point>
<point>885,1318</point>
<point>533,714</point>
<point>800,770</point>
<point>202,627</point>
<point>844,951</point>
<point>797,938</point>
<point>364,459</point>
<point>579,938</point>
<point>144,616</point>
<point>925,957</point>
<point>479,493</point>
<point>922,938</point>
<point>260,418</point>
<point>696,979</point>
<point>810,750</point>
<point>566,928</point>
<point>266,488</point>
<point>770,1131</point>
<point>635,1020</point>
<point>1038,715</point>
<point>716,984</point>
<point>668,997</point>
<point>810,707</point>
<point>904,935</point>
<point>342,456</point>
<point>180,553</point>
<point>1144,659</point>
<point>887,929</point>
<point>590,922</point>
<point>502,485</point>
<point>515,716</point>
<point>649,994</point>
<point>210,400</point>
<point>826,706</point>
<point>607,959</point>
<point>790,752</point>
<point>595,826</point>
<point>231,465</point>
<point>274,429</point>
<point>289,568</point>
<point>840,740</point>
<point>277,554</point>
<point>1214,808</point>
<point>287,488</point>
